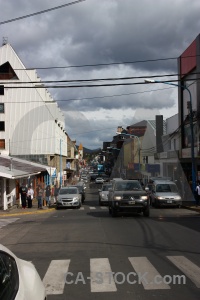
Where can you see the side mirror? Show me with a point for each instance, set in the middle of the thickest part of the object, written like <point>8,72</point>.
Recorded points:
<point>146,189</point>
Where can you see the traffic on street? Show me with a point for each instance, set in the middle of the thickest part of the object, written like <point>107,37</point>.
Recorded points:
<point>84,252</point>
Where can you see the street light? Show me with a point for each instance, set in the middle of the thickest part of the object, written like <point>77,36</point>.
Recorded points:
<point>184,87</point>
<point>139,145</point>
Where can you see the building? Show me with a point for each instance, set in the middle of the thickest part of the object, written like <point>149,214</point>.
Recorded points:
<point>32,126</point>
<point>189,109</point>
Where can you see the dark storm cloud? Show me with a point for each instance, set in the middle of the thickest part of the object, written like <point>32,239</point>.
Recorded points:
<point>97,32</point>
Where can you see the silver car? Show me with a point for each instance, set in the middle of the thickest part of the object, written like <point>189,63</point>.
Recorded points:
<point>165,193</point>
<point>103,194</point>
<point>69,197</point>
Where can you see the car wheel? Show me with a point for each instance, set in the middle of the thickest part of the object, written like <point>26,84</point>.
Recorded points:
<point>57,207</point>
<point>113,213</point>
<point>146,212</point>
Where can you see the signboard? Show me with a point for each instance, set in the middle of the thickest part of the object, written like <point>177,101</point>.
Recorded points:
<point>53,172</point>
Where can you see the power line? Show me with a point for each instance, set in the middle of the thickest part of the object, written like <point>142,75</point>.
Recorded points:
<point>41,12</point>
<point>108,64</point>
<point>93,85</point>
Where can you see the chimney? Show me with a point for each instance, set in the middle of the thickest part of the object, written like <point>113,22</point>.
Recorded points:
<point>159,133</point>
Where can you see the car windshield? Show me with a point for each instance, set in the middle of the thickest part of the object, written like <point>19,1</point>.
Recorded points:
<point>128,186</point>
<point>106,187</point>
<point>68,191</point>
<point>163,188</point>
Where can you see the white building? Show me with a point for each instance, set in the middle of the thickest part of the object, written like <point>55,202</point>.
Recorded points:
<point>31,123</point>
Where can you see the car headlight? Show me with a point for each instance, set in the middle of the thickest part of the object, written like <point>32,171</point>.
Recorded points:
<point>75,199</point>
<point>177,198</point>
<point>160,198</point>
<point>143,197</point>
<point>117,197</point>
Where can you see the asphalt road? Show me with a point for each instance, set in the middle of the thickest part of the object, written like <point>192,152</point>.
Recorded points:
<point>130,257</point>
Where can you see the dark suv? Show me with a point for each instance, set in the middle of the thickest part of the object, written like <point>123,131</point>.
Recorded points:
<point>128,196</point>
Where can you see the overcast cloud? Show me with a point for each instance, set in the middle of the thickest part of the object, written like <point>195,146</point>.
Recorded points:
<point>95,32</point>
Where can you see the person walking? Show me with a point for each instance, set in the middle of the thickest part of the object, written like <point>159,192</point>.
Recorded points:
<point>48,195</point>
<point>30,194</point>
<point>197,194</point>
<point>23,192</point>
<point>40,194</point>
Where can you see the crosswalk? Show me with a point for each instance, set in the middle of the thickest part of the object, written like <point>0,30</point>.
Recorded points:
<point>59,275</point>
<point>5,222</point>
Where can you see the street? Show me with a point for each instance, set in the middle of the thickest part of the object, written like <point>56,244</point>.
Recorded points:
<point>128,257</point>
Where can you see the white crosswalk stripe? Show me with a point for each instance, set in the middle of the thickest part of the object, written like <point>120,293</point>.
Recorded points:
<point>101,267</point>
<point>187,267</point>
<point>148,274</point>
<point>5,222</point>
<point>55,277</point>
<point>102,279</point>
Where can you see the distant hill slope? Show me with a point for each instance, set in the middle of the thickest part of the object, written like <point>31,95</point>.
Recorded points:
<point>90,151</point>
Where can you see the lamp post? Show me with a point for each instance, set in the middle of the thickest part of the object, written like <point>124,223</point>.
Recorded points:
<point>184,87</point>
<point>60,162</point>
<point>139,145</point>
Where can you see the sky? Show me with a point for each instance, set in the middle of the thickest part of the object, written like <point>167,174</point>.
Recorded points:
<point>99,40</point>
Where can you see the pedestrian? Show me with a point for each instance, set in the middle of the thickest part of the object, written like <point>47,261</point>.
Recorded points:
<point>40,194</point>
<point>30,194</point>
<point>23,193</point>
<point>56,191</point>
<point>197,194</point>
<point>48,195</point>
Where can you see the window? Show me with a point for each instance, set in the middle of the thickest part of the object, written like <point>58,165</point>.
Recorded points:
<point>2,126</point>
<point>2,143</point>
<point>2,108</point>
<point>9,277</point>
<point>1,90</point>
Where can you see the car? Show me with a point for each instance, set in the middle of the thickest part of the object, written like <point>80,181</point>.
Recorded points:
<point>99,180</point>
<point>128,196</point>
<point>68,197</point>
<point>81,187</point>
<point>19,279</point>
<point>103,194</point>
<point>165,193</point>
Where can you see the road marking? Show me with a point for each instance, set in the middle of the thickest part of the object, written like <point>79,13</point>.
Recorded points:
<point>104,207</point>
<point>92,207</point>
<point>55,277</point>
<point>147,274</point>
<point>101,276</point>
<point>187,267</point>
<point>5,222</point>
<point>81,208</point>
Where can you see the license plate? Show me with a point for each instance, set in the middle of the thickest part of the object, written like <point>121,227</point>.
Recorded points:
<point>131,202</point>
<point>169,201</point>
<point>67,204</point>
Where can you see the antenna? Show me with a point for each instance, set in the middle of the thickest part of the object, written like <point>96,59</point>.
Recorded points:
<point>5,41</point>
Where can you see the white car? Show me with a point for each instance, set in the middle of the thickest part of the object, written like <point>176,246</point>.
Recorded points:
<point>99,180</point>
<point>19,279</point>
<point>103,194</point>
<point>69,196</point>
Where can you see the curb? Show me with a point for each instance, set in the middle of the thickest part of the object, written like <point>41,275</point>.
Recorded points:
<point>36,212</point>
<point>194,208</point>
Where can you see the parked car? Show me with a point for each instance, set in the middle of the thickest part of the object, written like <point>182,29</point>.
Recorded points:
<point>81,187</point>
<point>99,180</point>
<point>164,193</point>
<point>69,197</point>
<point>103,194</point>
<point>128,196</point>
<point>19,279</point>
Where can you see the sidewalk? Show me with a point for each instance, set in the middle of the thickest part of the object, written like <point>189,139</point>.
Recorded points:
<point>18,210</point>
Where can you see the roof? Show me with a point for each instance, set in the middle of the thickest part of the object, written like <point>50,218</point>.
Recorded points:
<point>17,168</point>
<point>153,125</point>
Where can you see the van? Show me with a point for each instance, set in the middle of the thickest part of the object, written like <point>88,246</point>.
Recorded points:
<point>164,193</point>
